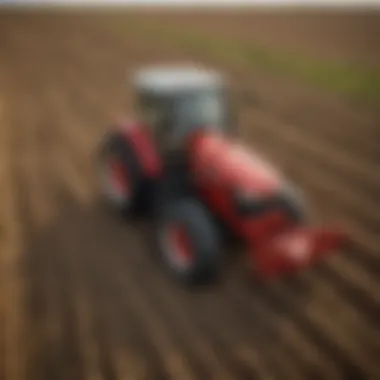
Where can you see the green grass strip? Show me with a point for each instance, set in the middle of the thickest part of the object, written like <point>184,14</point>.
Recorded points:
<point>358,83</point>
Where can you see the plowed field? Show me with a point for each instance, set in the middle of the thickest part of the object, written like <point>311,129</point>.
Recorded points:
<point>80,295</point>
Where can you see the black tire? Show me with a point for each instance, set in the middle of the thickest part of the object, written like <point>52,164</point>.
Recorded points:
<point>203,239</point>
<point>117,147</point>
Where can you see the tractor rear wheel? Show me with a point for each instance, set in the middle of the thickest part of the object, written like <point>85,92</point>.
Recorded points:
<point>120,174</point>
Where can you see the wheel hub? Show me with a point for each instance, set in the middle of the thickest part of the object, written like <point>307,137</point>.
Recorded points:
<point>177,247</point>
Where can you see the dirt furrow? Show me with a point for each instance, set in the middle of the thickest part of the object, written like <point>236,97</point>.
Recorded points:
<point>34,133</point>
<point>72,126</point>
<point>325,331</point>
<point>277,311</point>
<point>10,247</point>
<point>46,350</point>
<point>30,148</point>
<point>68,168</point>
<point>257,323</point>
<point>32,163</point>
<point>350,134</point>
<point>352,351</point>
<point>286,299</point>
<point>88,346</point>
<point>362,176</point>
<point>157,340</point>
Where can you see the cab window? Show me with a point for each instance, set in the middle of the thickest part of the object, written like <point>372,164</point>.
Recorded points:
<point>200,109</point>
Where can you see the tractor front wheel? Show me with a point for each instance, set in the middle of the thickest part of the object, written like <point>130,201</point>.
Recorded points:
<point>188,241</point>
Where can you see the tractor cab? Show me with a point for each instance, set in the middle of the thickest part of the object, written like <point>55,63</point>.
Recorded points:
<point>175,101</point>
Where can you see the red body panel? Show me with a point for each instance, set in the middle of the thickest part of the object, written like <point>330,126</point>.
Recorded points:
<point>145,150</point>
<point>221,167</point>
<point>232,164</point>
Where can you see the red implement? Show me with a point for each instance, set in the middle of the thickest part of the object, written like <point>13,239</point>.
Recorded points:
<point>285,250</point>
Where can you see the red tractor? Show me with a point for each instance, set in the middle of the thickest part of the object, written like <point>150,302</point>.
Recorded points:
<point>181,161</point>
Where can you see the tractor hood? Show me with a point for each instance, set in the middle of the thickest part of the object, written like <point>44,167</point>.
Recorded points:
<point>217,157</point>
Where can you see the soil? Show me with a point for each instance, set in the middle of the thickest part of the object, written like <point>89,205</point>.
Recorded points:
<point>81,295</point>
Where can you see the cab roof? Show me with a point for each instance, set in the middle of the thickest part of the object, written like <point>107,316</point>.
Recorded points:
<point>168,79</point>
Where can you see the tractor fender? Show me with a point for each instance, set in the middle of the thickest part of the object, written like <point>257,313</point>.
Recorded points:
<point>141,141</point>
